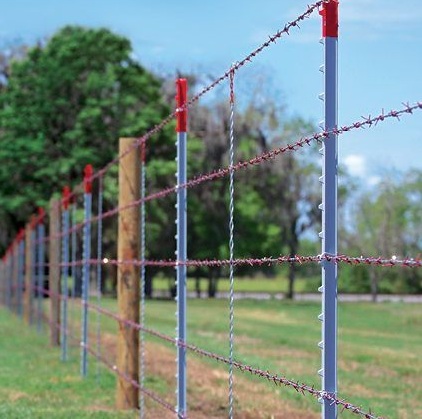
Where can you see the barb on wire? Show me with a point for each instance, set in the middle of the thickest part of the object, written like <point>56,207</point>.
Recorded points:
<point>366,122</point>
<point>276,379</point>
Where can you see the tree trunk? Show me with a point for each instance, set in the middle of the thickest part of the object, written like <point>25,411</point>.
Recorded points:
<point>291,277</point>
<point>148,284</point>
<point>212,283</point>
<point>198,287</point>
<point>374,283</point>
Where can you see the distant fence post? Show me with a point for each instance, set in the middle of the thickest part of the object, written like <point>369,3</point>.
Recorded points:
<point>128,276</point>
<point>65,270</point>
<point>15,278</point>
<point>29,262</point>
<point>181,238</point>
<point>86,266</point>
<point>8,279</point>
<point>54,272</point>
<point>328,345</point>
<point>21,270</point>
<point>40,266</point>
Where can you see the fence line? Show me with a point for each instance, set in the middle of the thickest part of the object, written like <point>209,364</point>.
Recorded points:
<point>131,389</point>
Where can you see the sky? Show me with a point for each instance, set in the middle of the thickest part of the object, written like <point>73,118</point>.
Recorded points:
<point>380,57</point>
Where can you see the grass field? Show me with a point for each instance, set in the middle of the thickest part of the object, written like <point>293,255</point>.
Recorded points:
<point>277,284</point>
<point>379,362</point>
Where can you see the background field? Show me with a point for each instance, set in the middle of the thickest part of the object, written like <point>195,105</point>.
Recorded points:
<point>379,362</point>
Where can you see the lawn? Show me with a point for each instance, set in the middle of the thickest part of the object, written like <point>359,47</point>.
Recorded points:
<point>379,362</point>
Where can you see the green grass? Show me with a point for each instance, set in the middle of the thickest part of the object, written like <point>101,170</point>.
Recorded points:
<point>379,356</point>
<point>34,383</point>
<point>379,346</point>
<point>278,284</point>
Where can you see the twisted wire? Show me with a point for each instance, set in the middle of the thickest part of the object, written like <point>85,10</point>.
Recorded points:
<point>231,246</point>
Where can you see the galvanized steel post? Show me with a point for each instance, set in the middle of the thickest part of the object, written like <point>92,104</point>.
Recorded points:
<point>21,271</point>
<point>85,266</point>
<point>181,236</point>
<point>65,271</point>
<point>328,317</point>
<point>40,266</point>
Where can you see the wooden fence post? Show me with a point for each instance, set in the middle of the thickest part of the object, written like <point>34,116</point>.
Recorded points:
<point>54,272</point>
<point>29,291</point>
<point>128,276</point>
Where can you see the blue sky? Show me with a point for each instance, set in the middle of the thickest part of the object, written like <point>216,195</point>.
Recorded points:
<point>380,47</point>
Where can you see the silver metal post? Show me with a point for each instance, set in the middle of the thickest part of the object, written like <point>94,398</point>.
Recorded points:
<point>21,273</point>
<point>64,275</point>
<point>329,213</point>
<point>73,257</point>
<point>181,252</point>
<point>40,273</point>
<point>85,271</point>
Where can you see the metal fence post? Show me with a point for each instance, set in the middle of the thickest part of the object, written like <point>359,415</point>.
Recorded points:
<point>85,267</point>
<point>15,278</point>
<point>29,277</point>
<point>21,271</point>
<point>65,271</point>
<point>9,273</point>
<point>328,317</point>
<point>40,266</point>
<point>54,272</point>
<point>181,235</point>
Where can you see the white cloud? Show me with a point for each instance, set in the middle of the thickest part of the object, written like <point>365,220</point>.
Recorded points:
<point>355,164</point>
<point>374,180</point>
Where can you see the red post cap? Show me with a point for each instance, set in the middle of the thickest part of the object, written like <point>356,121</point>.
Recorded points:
<point>88,171</point>
<point>66,197</point>
<point>329,13</point>
<point>181,99</point>
<point>41,214</point>
<point>21,234</point>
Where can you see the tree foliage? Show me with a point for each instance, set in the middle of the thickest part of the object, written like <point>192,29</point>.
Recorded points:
<point>65,105</point>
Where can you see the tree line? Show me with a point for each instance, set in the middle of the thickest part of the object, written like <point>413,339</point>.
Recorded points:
<point>65,102</point>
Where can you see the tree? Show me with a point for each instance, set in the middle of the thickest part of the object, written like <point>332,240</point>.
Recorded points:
<point>387,224</point>
<point>65,105</point>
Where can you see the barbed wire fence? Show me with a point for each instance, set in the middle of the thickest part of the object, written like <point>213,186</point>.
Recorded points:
<point>23,267</point>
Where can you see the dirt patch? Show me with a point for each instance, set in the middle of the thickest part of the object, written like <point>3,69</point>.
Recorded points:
<point>207,389</point>
<point>14,396</point>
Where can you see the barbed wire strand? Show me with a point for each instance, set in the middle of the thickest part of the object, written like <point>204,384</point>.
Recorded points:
<point>231,247</point>
<point>267,261</point>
